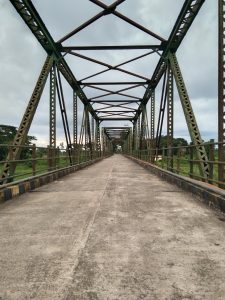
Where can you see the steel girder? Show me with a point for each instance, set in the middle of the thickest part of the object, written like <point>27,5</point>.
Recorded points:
<point>19,140</point>
<point>190,117</point>
<point>29,14</point>
<point>62,106</point>
<point>221,104</point>
<point>161,111</point>
<point>186,17</point>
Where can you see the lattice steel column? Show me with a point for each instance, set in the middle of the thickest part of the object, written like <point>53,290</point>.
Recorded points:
<point>190,117</point>
<point>138,132</point>
<point>152,121</point>
<point>88,127</point>
<point>52,108</point>
<point>74,119</point>
<point>52,118</point>
<point>97,137</point>
<point>19,140</point>
<point>152,127</point>
<point>143,127</point>
<point>221,104</point>
<point>170,94</point>
<point>93,132</point>
<point>75,123</point>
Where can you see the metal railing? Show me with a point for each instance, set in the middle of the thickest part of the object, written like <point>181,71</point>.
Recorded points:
<point>38,160</point>
<point>183,160</point>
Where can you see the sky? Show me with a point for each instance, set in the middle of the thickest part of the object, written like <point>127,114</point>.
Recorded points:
<point>21,58</point>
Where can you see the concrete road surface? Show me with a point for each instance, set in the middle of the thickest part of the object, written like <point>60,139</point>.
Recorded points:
<point>111,231</point>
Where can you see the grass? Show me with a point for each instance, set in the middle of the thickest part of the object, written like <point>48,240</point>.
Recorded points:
<point>181,165</point>
<point>25,170</point>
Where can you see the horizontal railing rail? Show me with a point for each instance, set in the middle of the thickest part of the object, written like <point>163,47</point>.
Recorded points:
<point>36,160</point>
<point>183,160</point>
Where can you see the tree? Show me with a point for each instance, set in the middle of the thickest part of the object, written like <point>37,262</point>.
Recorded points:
<point>7,135</point>
<point>177,142</point>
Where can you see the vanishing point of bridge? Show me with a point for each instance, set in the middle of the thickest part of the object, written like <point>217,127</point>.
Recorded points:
<point>130,220</point>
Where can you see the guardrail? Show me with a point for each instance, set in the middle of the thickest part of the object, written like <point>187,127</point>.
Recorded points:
<point>183,160</point>
<point>38,160</point>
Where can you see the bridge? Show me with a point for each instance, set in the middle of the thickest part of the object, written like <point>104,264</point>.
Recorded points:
<point>120,211</point>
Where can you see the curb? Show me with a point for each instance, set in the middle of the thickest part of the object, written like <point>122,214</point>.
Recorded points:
<point>11,190</point>
<point>212,196</point>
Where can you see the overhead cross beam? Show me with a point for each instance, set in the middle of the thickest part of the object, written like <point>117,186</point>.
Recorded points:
<point>107,10</point>
<point>113,47</point>
<point>186,17</point>
<point>110,67</point>
<point>31,17</point>
<point>131,22</point>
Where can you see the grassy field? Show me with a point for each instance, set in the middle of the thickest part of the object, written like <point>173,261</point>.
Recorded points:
<point>181,166</point>
<point>25,169</point>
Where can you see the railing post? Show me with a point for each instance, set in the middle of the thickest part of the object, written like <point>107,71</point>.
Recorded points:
<point>58,157</point>
<point>11,164</point>
<point>49,158</point>
<point>163,156</point>
<point>191,160</point>
<point>178,160</point>
<point>33,159</point>
<point>221,94</point>
<point>211,159</point>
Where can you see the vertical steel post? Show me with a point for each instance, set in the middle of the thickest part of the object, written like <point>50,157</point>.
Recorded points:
<point>221,92</point>
<point>138,134</point>
<point>52,108</point>
<point>74,119</point>
<point>88,138</point>
<point>152,115</point>
<point>75,146</point>
<point>59,89</point>
<point>143,128</point>
<point>170,119</point>
<point>190,117</point>
<point>25,124</point>
<point>93,134</point>
<point>103,142</point>
<point>52,118</point>
<point>152,127</point>
<point>97,138</point>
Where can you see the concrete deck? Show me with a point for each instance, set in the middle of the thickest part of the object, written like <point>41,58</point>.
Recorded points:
<point>111,231</point>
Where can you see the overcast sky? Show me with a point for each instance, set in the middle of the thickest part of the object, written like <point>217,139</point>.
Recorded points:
<point>21,57</point>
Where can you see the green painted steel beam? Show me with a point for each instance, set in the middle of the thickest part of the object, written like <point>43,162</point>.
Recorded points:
<point>29,14</point>
<point>186,17</point>
<point>190,117</point>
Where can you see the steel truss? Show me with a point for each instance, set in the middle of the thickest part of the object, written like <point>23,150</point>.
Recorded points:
<point>19,140</point>
<point>221,105</point>
<point>128,107</point>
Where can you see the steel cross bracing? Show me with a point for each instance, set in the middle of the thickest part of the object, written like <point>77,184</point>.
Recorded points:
<point>119,104</point>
